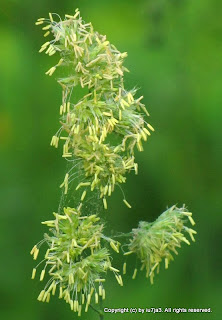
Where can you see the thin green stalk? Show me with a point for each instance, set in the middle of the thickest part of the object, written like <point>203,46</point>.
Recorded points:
<point>100,312</point>
<point>101,309</point>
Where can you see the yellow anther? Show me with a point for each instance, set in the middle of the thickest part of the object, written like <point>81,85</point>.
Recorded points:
<point>96,298</point>
<point>54,289</point>
<point>44,297</point>
<point>166,263</point>
<point>51,71</point>
<point>71,304</point>
<point>83,195</point>
<point>47,253</point>
<point>48,297</point>
<point>36,254</point>
<point>47,27</point>
<point>115,248</point>
<point>107,114</point>
<point>49,223</point>
<point>89,298</point>
<point>42,275</point>
<point>118,279</point>
<point>127,203</point>
<point>124,268</point>
<point>42,49</point>
<point>77,13</point>
<point>143,135</point>
<point>150,127</point>
<point>134,274</point>
<point>40,297</point>
<point>87,307</point>
<point>45,45</point>
<point>100,290</point>
<point>67,257</point>
<point>79,311</point>
<point>109,190</point>
<point>39,22</point>
<point>185,240</point>
<point>136,168</point>
<point>146,131</point>
<point>191,220</point>
<point>113,269</point>
<point>46,34</point>
<point>128,253</point>
<point>69,16</point>
<point>105,203</point>
<point>60,293</point>
<point>105,190</point>
<point>125,103</point>
<point>60,62</point>
<point>100,280</point>
<point>33,249</point>
<point>33,273</point>
<point>50,17</point>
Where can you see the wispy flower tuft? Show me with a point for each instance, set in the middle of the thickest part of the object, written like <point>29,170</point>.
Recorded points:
<point>105,126</point>
<point>76,259</point>
<point>156,241</point>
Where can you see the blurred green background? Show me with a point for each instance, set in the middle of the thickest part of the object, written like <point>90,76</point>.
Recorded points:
<point>174,49</point>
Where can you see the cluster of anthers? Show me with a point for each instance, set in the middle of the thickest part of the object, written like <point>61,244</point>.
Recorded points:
<point>104,127</point>
<point>156,241</point>
<point>76,259</point>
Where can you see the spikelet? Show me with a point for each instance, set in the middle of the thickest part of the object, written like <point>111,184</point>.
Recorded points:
<point>154,242</point>
<point>68,261</point>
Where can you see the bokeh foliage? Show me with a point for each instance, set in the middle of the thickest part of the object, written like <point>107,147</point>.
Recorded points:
<point>174,49</point>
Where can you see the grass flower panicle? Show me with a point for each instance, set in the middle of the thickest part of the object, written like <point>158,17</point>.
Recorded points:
<point>104,127</point>
<point>156,241</point>
<point>76,260</point>
<point>99,134</point>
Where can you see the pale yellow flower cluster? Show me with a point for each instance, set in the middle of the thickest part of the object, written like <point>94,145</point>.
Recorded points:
<point>105,125</point>
<point>156,241</point>
<point>75,260</point>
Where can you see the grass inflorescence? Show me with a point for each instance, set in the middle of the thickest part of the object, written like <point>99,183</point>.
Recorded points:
<point>76,259</point>
<point>158,240</point>
<point>99,135</point>
<point>107,111</point>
